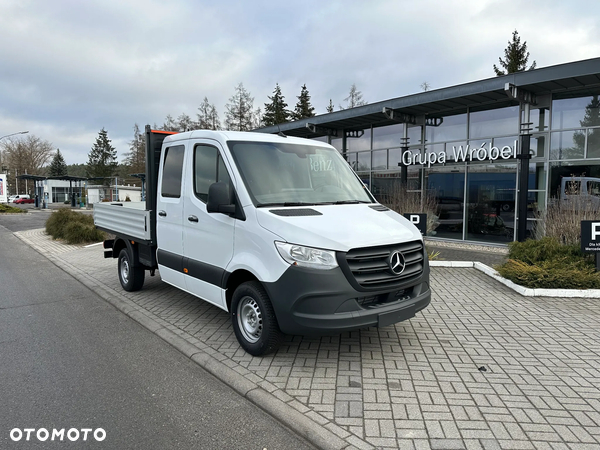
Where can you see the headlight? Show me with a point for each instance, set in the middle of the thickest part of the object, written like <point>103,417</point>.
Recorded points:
<point>314,258</point>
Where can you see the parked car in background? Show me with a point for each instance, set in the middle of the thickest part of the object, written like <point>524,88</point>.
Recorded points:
<point>23,199</point>
<point>14,198</point>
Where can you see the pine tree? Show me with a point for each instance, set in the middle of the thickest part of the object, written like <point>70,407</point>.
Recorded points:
<point>240,110</point>
<point>102,158</point>
<point>303,108</point>
<point>208,118</point>
<point>516,57</point>
<point>330,106</point>
<point>275,111</point>
<point>354,98</point>
<point>135,159</point>
<point>58,166</point>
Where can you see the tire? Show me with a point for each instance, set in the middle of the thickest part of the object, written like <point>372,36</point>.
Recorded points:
<point>253,319</point>
<point>131,278</point>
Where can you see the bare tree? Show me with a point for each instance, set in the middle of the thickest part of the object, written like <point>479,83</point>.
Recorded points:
<point>135,159</point>
<point>25,155</point>
<point>354,98</point>
<point>208,118</point>
<point>240,110</point>
<point>425,86</point>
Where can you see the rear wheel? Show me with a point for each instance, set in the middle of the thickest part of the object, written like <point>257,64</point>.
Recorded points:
<point>131,278</point>
<point>253,319</point>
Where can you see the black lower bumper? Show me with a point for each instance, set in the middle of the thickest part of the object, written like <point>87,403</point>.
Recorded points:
<point>317,302</point>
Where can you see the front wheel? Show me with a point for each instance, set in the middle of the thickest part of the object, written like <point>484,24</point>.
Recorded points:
<point>131,278</point>
<point>253,319</point>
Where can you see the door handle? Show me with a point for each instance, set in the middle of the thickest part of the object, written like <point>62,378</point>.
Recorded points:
<point>162,214</point>
<point>193,219</point>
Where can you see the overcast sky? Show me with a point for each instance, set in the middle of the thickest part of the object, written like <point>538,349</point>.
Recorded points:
<point>68,68</point>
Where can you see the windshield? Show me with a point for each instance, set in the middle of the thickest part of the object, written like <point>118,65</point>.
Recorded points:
<point>293,175</point>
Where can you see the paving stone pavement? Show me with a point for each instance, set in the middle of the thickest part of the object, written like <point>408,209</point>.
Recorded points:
<point>482,368</point>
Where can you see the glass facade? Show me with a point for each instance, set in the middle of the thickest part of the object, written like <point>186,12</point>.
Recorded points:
<point>468,162</point>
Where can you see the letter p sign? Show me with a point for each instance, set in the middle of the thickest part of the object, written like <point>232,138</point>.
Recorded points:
<point>595,230</point>
<point>420,221</point>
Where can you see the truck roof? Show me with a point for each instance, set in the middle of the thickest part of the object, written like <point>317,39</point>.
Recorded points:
<point>239,136</point>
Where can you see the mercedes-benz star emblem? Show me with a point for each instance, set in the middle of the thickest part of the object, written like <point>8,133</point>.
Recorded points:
<point>397,263</point>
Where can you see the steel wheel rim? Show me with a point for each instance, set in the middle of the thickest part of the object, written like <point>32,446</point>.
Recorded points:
<point>249,318</point>
<point>125,270</point>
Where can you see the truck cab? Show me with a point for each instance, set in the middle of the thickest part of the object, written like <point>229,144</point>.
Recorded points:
<point>279,232</point>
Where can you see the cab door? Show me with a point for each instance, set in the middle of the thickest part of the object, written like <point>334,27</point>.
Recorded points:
<point>208,238</point>
<point>169,216</point>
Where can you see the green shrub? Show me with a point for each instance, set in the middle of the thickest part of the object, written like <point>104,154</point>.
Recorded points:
<point>546,249</point>
<point>10,209</point>
<point>73,227</point>
<point>546,263</point>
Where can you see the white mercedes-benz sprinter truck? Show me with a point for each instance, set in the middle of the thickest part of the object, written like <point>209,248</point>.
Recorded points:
<point>278,231</point>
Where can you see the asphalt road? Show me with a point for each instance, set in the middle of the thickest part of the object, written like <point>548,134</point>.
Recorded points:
<point>69,360</point>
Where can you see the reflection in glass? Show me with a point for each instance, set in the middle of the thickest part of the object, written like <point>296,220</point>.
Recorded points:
<point>385,184</point>
<point>364,161</point>
<point>414,134</point>
<point>361,143</point>
<point>567,144</point>
<point>593,143</point>
<point>491,191</point>
<point>560,170</point>
<point>380,160</point>
<point>494,122</point>
<point>352,160</point>
<point>575,112</point>
<point>538,146</point>
<point>452,128</point>
<point>385,137</point>
<point>446,185</point>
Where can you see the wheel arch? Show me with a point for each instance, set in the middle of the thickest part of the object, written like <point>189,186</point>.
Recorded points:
<point>234,280</point>
<point>132,249</point>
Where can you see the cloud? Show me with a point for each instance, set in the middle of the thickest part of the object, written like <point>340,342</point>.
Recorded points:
<point>71,68</point>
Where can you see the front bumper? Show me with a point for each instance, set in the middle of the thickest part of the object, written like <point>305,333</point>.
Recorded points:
<point>317,302</point>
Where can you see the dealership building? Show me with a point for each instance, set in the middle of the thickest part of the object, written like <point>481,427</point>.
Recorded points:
<point>493,153</point>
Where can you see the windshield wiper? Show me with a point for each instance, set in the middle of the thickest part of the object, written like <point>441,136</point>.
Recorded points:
<point>263,205</point>
<point>349,202</point>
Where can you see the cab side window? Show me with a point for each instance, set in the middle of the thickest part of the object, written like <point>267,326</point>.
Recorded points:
<point>209,168</point>
<point>172,170</point>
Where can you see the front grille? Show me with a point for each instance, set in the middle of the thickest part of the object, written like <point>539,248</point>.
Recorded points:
<point>369,267</point>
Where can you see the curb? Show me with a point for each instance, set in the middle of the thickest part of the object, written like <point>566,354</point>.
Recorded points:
<point>526,292</point>
<point>302,425</point>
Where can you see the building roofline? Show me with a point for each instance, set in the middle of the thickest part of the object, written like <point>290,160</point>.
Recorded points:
<point>490,91</point>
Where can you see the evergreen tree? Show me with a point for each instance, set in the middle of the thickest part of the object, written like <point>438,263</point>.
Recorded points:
<point>135,159</point>
<point>208,118</point>
<point>515,57</point>
<point>240,110</point>
<point>102,158</point>
<point>275,111</point>
<point>303,108</point>
<point>330,106</point>
<point>58,166</point>
<point>354,98</point>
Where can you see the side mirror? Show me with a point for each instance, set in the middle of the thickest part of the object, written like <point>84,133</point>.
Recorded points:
<point>219,200</point>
